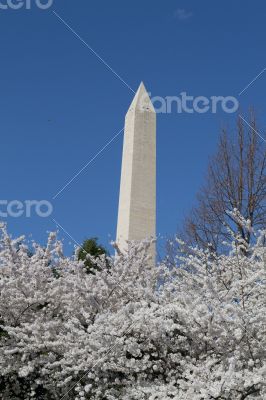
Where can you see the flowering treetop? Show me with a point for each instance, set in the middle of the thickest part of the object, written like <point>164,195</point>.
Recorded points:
<point>132,330</point>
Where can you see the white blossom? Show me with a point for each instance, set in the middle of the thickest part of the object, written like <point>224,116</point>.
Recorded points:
<point>132,330</point>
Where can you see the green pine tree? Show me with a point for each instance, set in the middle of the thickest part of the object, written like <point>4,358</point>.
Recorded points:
<point>91,247</point>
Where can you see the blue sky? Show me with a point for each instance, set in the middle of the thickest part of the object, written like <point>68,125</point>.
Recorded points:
<point>60,104</point>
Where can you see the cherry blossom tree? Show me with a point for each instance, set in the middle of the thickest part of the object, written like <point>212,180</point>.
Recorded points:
<point>133,330</point>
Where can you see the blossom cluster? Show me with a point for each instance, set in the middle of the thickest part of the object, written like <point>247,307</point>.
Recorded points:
<point>132,330</point>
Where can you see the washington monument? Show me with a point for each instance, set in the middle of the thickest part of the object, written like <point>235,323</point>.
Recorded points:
<point>137,200</point>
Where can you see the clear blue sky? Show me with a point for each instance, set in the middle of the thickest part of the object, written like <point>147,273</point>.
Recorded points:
<point>60,104</point>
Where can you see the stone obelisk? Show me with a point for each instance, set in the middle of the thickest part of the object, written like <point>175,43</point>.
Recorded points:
<point>137,201</point>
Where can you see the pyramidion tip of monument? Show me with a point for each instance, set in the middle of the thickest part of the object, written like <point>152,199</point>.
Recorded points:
<point>142,101</point>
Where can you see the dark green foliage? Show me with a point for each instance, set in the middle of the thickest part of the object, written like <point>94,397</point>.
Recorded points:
<point>3,333</point>
<point>92,248</point>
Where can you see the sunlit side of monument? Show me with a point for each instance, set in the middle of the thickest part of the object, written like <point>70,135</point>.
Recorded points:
<point>137,201</point>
